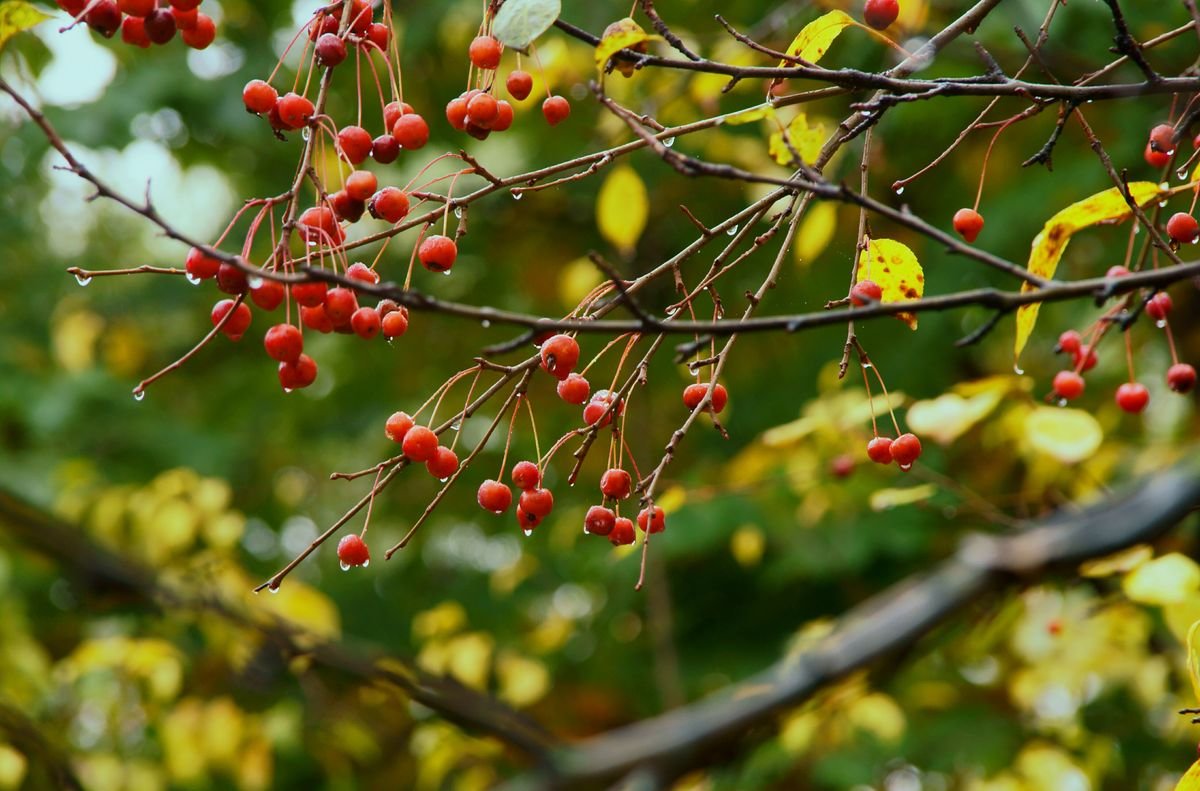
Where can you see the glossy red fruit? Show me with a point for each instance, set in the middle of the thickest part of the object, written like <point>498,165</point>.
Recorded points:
<point>185,5</point>
<point>319,224</point>
<point>906,449</point>
<point>560,354</point>
<point>1159,305</point>
<point>361,184</point>
<point>622,534</point>
<point>160,26</point>
<point>411,131</point>
<point>231,280</point>
<point>456,113</point>
<point>284,343</point>
<point>315,319</point>
<point>104,17</point>
<point>1155,158</point>
<point>237,323</point>
<point>616,484</point>
<point>366,323</point>
<point>362,273</point>
<point>298,374</point>
<point>967,224</point>
<point>597,410</point>
<point>443,464</point>
<point>526,520</point>
<point>201,33</point>
<point>1113,272</point>
<point>599,521</point>
<point>1068,385</point>
<point>199,266</point>
<point>437,253</point>
<point>519,84</point>
<point>879,450</point>
<point>138,8</point>
<point>133,32</point>
<point>419,444</point>
<point>656,522</point>
<point>693,394</point>
<point>504,117</point>
<point>397,426</point>
<point>574,389</point>
<point>310,295</point>
<point>389,204</point>
<point>340,304</point>
<point>352,551</point>
<point>361,14</point>
<point>482,110</point>
<point>269,294</point>
<point>1085,359</point>
<point>346,208</point>
<point>864,292</point>
<point>378,34</point>
<point>525,475</point>
<point>494,496</point>
<point>556,109</point>
<point>539,502</point>
<point>259,97</point>
<point>385,149</point>
<point>392,112</point>
<point>324,23</point>
<point>395,323</point>
<point>355,144</point>
<point>1070,342</point>
<point>880,14</point>
<point>1181,377</point>
<point>485,52</point>
<point>1183,228</point>
<point>331,50</point>
<point>295,111</point>
<point>1162,138</point>
<point>1132,397</point>
<point>187,20</point>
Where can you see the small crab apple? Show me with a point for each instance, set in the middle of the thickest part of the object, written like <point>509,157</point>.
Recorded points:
<point>494,496</point>
<point>437,253</point>
<point>355,143</point>
<point>615,484</point>
<point>299,374</point>
<point>346,208</point>
<point>504,117</point>
<point>366,322</point>
<point>137,7</point>
<point>315,319</point>
<point>320,224</point>
<point>104,17</point>
<point>865,292</point>
<point>331,50</point>
<point>443,464</point>
<point>392,112</point>
<point>362,273</point>
<point>420,444</point>
<point>842,465</point>
<point>1156,158</point>
<point>284,343</point>
<point>385,149</point>
<point>259,97</point>
<point>200,266</point>
<point>1162,138</point>
<point>295,111</point>
<point>378,34</point>
<point>187,19</point>
<point>519,84</point>
<point>456,113</point>
<point>1068,385</point>
<point>352,551</point>
<point>485,52</point>
<point>160,26</point>
<point>1159,305</point>
<point>133,32</point>
<point>597,410</point>
<point>232,280</point>
<point>411,131</point>
<point>655,521</point>
<point>967,224</point>
<point>482,110</point>
<point>599,521</point>
<point>237,324</point>
<point>269,294</point>
<point>310,295</point>
<point>560,353</point>
<point>1183,228</point>
<point>539,502</point>
<point>879,450</point>
<point>526,476</point>
<point>397,426</point>
<point>526,520</point>
<point>574,389</point>
<point>389,204</point>
<point>556,109</point>
<point>1114,272</point>
<point>880,14</point>
<point>361,184</point>
<point>340,304</point>
<point>1132,397</point>
<point>906,449</point>
<point>1085,358</point>
<point>395,323</point>
<point>200,34</point>
<point>1070,342</point>
<point>622,534</point>
<point>693,394</point>
<point>1181,377</point>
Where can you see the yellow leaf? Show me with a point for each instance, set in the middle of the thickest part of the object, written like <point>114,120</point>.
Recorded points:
<point>815,39</point>
<point>1166,580</point>
<point>672,499</point>
<point>1119,563</point>
<point>1193,661</point>
<point>576,280</point>
<point>622,34</point>
<point>439,621</point>
<point>622,208</point>
<point>13,766</point>
<point>815,232</point>
<point>799,138</point>
<point>886,499</point>
<point>16,16</point>
<point>897,271</point>
<point>523,681</point>
<point>470,657</point>
<point>750,114</point>
<point>949,416</point>
<point>1104,207</point>
<point>1191,780</point>
<point>747,546</point>
<point>1066,435</point>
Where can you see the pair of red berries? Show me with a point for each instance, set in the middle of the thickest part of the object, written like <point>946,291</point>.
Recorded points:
<point>285,344</point>
<point>904,450</point>
<point>1161,146</point>
<point>1071,342</point>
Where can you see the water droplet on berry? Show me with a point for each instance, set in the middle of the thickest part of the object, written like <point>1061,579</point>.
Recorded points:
<point>83,280</point>
<point>528,532</point>
<point>287,389</point>
<point>899,190</point>
<point>1161,324</point>
<point>1018,370</point>
<point>443,480</point>
<point>733,229</point>
<point>668,142</point>
<point>905,467</point>
<point>366,563</point>
<point>345,566</point>
<point>195,281</point>
<point>139,395</point>
<point>1062,402</point>
<point>254,282</point>
<point>446,273</point>
<point>517,195</point>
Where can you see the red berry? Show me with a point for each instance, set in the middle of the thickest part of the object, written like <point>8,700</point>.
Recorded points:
<point>864,292</point>
<point>443,464</point>
<point>320,224</point>
<point>504,116</point>
<point>482,110</point>
<point>187,20</point>
<point>310,295</point>
<point>361,14</point>
<point>1162,138</point>
<point>1070,342</point>
<point>331,50</point>
<point>104,18</point>
<point>1068,385</point>
<point>397,426</point>
<point>1155,158</point>
<point>379,35</point>
<point>231,280</point>
<point>315,319</point>
<point>657,521</point>
<point>1085,359</point>
<point>437,253</point>
<point>693,394</point>
<point>880,14</point>
<point>269,294</point>
<point>1114,272</point>
<point>485,52</point>
<point>346,208</point>
<point>879,450</point>
<point>622,534</point>
<point>559,355</point>
<point>299,374</point>
<point>284,343</point>
<point>615,484</point>
<point>1159,305</point>
<point>201,33</point>
<point>456,113</point>
<point>395,323</point>
<point>1133,397</point>
<point>420,444</point>
<point>539,502</point>
<point>137,8</point>
<point>392,112</point>
<point>72,7</point>
<point>160,26</point>
<point>355,143</point>
<point>361,184</point>
<point>519,84</point>
<point>967,224</point>
<point>185,5</point>
<point>526,520</point>
<point>574,389</point>
<point>494,496</point>
<point>366,322</point>
<point>295,111</point>
<point>842,466</point>
<point>362,273</point>
<point>411,131</point>
<point>322,24</point>
<point>340,304</point>
<point>556,109</point>
<point>597,409</point>
<point>352,551</point>
<point>599,521</point>
<point>1183,228</point>
<point>133,32</point>
<point>906,449</point>
<point>389,204</point>
<point>237,324</point>
<point>1181,377</point>
<point>525,475</point>
<point>199,266</point>
<point>385,149</point>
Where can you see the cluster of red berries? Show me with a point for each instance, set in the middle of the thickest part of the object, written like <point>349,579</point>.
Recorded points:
<point>904,450</point>
<point>880,14</point>
<point>145,22</point>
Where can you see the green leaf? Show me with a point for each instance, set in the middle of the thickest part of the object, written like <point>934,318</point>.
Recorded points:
<point>519,22</point>
<point>17,16</point>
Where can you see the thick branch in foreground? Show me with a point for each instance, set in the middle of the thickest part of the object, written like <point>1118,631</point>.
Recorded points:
<point>665,747</point>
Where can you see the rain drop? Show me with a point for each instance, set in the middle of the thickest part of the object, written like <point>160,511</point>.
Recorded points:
<point>139,395</point>
<point>1018,370</point>
<point>345,566</point>
<point>83,280</point>
<point>366,563</point>
<point>905,467</point>
<point>517,195</point>
<point>446,273</point>
<point>867,366</point>
<point>456,425</point>
<point>458,212</point>
<point>195,281</point>
<point>273,588</point>
<point>1137,229</point>
<point>443,480</point>
<point>287,389</point>
<point>1162,204</point>
<point>485,324</point>
<point>668,142</point>
<point>1062,402</point>
<point>1161,324</point>
<point>305,133</point>
<point>899,190</point>
<point>254,282</point>
<point>528,532</point>
<point>733,229</point>
<point>1181,174</point>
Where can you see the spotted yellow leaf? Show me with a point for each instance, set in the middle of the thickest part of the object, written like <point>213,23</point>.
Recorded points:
<point>897,271</point>
<point>622,34</point>
<point>16,16</point>
<point>1104,207</point>
<point>801,138</point>
<point>814,40</point>
<point>622,208</point>
<point>1191,780</point>
<point>1067,435</point>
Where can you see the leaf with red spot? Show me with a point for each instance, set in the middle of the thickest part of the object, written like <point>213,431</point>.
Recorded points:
<point>897,271</point>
